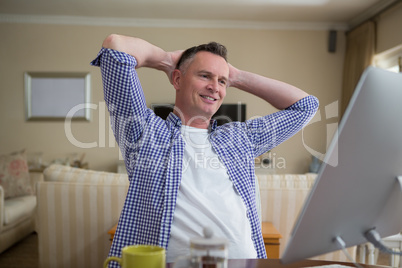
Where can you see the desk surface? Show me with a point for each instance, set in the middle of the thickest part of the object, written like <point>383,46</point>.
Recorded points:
<point>275,263</point>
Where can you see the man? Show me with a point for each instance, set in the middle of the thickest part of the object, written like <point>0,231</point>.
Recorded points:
<point>186,173</point>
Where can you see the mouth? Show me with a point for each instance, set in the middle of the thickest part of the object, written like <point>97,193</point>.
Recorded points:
<point>208,98</point>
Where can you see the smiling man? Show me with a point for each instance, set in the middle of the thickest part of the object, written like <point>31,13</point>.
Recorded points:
<point>201,85</point>
<point>185,172</point>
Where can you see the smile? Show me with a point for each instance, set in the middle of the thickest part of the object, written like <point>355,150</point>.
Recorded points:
<point>208,98</point>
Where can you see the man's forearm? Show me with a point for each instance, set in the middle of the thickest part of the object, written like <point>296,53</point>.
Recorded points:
<point>146,54</point>
<point>279,94</point>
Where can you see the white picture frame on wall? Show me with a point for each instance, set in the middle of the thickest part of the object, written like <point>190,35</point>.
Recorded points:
<point>57,96</point>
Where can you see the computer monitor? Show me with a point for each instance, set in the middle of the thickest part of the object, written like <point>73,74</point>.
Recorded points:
<point>162,109</point>
<point>356,188</point>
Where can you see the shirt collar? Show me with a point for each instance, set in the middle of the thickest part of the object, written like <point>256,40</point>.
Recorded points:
<point>212,125</point>
<point>174,120</point>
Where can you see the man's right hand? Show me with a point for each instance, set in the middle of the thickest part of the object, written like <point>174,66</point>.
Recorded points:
<point>174,57</point>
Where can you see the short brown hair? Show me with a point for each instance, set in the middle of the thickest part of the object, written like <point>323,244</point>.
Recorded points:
<point>212,47</point>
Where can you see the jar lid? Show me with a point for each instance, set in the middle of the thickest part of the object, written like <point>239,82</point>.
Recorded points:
<point>208,241</point>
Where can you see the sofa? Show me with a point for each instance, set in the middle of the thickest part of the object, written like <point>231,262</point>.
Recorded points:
<point>282,198</point>
<point>17,199</point>
<point>17,215</point>
<point>76,208</point>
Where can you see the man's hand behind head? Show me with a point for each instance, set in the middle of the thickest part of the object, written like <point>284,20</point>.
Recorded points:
<point>170,66</point>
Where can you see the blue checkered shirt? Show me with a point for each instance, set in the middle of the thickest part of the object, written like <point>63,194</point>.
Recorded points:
<point>153,151</point>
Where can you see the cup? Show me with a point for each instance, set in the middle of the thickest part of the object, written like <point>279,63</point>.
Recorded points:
<point>140,256</point>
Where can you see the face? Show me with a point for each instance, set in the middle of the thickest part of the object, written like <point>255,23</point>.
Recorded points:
<point>201,88</point>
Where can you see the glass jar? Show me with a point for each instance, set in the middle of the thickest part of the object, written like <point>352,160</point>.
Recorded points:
<point>209,251</point>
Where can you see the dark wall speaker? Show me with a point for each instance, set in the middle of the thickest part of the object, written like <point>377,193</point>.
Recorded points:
<point>332,41</point>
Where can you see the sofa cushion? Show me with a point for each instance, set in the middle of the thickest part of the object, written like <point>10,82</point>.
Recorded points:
<point>18,208</point>
<point>77,175</point>
<point>14,175</point>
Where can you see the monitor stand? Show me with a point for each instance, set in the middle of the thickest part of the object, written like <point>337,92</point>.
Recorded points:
<point>372,235</point>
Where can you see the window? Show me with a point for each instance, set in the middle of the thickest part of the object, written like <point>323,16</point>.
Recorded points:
<point>390,60</point>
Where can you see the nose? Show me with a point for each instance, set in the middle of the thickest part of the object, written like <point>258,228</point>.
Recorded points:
<point>213,86</point>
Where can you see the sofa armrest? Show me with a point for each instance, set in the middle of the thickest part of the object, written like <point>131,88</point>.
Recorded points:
<point>73,221</point>
<point>78,175</point>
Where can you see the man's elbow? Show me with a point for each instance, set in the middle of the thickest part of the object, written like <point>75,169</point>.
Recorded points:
<point>112,41</point>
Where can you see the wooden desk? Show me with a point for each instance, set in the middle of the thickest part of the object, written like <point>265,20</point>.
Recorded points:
<point>271,240</point>
<point>270,234</point>
<point>275,263</point>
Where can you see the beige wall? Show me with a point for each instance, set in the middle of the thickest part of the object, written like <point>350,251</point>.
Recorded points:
<point>389,34</point>
<point>297,57</point>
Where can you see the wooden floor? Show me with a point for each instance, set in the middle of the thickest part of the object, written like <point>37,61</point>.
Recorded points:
<point>25,255</point>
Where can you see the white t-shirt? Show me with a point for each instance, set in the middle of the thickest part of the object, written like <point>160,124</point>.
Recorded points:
<point>207,198</point>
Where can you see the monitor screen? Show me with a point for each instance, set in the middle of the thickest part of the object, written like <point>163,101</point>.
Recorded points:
<point>226,113</point>
<point>357,188</point>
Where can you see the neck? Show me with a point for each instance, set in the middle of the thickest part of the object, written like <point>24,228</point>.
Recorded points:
<point>194,121</point>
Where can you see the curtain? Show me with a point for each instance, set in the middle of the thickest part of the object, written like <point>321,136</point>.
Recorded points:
<point>360,49</point>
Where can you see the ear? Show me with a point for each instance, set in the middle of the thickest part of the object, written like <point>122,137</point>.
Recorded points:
<point>176,77</point>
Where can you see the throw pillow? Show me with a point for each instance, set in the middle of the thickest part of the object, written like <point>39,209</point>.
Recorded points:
<point>14,175</point>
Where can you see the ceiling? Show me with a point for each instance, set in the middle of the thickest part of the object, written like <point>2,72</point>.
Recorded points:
<point>346,13</point>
